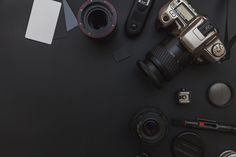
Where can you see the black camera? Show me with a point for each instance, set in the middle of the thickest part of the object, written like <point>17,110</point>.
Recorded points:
<point>193,39</point>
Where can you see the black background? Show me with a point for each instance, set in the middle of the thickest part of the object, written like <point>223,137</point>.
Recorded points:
<point>73,99</point>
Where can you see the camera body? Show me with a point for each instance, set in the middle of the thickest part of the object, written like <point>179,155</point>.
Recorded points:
<point>194,31</point>
<point>193,39</point>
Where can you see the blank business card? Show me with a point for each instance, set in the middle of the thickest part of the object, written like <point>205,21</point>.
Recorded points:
<point>43,20</point>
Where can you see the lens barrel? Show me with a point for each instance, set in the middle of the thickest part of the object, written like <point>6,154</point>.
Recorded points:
<point>165,60</point>
<point>150,126</point>
<point>97,19</point>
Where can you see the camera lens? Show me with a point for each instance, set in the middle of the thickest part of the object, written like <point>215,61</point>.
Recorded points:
<point>165,60</point>
<point>150,126</point>
<point>97,19</point>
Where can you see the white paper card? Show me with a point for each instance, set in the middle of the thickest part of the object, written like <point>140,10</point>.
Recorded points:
<point>43,20</point>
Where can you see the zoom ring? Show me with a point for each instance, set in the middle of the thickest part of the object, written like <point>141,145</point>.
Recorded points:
<point>165,62</point>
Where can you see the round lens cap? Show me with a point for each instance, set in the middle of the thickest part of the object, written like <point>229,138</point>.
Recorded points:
<point>188,144</point>
<point>220,94</point>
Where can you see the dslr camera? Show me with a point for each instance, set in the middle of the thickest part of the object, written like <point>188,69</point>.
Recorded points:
<point>192,39</point>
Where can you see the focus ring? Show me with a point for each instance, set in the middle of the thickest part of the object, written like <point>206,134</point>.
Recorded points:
<point>167,63</point>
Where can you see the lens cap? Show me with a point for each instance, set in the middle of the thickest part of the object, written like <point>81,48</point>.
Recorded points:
<point>220,94</point>
<point>188,144</point>
<point>150,126</point>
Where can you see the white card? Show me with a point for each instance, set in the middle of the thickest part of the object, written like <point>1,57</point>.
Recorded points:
<point>43,20</point>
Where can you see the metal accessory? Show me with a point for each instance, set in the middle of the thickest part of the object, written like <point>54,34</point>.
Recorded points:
<point>183,96</point>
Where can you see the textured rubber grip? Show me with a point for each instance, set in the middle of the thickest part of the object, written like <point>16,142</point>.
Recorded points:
<point>165,61</point>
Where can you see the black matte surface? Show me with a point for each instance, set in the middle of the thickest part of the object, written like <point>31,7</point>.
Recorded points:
<point>72,99</point>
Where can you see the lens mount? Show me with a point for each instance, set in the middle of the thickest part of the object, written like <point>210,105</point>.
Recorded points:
<point>150,126</point>
<point>97,19</point>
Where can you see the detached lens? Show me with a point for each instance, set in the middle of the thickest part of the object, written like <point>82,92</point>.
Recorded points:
<point>150,126</point>
<point>97,19</point>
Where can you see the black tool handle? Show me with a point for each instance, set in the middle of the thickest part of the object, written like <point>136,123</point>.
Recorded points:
<point>138,16</point>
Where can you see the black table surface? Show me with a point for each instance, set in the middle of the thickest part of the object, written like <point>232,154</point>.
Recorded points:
<point>73,99</point>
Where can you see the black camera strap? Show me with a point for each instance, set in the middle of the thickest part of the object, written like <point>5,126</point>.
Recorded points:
<point>228,42</point>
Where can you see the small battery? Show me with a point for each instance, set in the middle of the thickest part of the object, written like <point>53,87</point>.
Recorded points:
<point>183,96</point>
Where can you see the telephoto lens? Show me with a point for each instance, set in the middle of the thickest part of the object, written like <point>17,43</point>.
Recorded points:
<point>97,19</point>
<point>165,60</point>
<point>150,126</point>
<point>228,153</point>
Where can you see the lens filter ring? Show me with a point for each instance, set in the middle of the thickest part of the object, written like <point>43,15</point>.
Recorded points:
<point>97,19</point>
